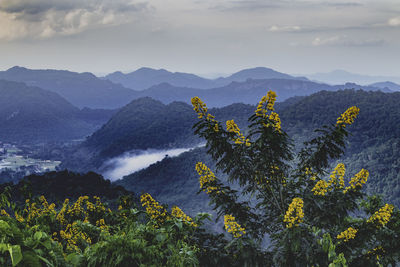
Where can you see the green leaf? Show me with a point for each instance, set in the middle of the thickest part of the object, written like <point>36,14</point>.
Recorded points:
<point>74,259</point>
<point>15,254</point>
<point>38,235</point>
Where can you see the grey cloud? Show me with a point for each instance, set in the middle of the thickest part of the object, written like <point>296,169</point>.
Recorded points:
<point>249,5</point>
<point>47,18</point>
<point>345,41</point>
<point>344,4</point>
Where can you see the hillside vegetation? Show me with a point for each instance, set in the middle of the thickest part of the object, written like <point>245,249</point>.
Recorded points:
<point>33,115</point>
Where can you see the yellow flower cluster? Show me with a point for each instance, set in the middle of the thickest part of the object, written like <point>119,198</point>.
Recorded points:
<point>270,99</point>
<point>233,227</point>
<point>320,188</point>
<point>199,106</point>
<point>294,215</point>
<point>102,225</point>
<point>276,120</point>
<point>153,208</point>
<point>348,116</point>
<point>66,232</point>
<point>206,177</point>
<point>382,216</point>
<point>61,214</point>
<point>4,213</point>
<point>337,176</point>
<point>348,234</point>
<point>262,111</point>
<point>179,214</point>
<point>232,127</point>
<point>358,180</point>
<point>72,235</point>
<point>201,110</point>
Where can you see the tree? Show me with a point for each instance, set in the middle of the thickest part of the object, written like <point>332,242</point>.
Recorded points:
<point>311,217</point>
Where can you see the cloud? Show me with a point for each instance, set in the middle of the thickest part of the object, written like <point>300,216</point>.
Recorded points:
<point>394,22</point>
<point>344,41</point>
<point>276,28</point>
<point>126,164</point>
<point>247,5</point>
<point>47,18</point>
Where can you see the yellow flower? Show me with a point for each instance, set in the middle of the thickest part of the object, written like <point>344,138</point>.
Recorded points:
<point>382,216</point>
<point>270,99</point>
<point>4,213</point>
<point>179,214</point>
<point>348,234</point>
<point>207,177</point>
<point>274,117</point>
<point>199,106</point>
<point>358,180</point>
<point>232,127</point>
<point>294,215</point>
<point>233,227</point>
<point>153,208</point>
<point>348,117</point>
<point>337,176</point>
<point>320,188</point>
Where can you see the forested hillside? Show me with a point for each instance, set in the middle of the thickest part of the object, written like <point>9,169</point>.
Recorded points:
<point>33,115</point>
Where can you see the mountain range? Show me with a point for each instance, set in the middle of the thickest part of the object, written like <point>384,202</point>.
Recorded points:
<point>80,89</point>
<point>144,78</point>
<point>246,86</point>
<point>342,76</point>
<point>247,92</point>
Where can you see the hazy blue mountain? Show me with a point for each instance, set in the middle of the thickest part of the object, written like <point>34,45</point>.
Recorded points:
<point>31,114</point>
<point>144,78</point>
<point>389,85</point>
<point>258,73</point>
<point>342,76</point>
<point>248,92</point>
<point>81,89</point>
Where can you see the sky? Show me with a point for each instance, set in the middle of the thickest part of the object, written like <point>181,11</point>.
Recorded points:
<point>206,37</point>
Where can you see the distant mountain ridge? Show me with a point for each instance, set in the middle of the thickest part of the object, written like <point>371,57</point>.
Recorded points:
<point>81,89</point>
<point>31,114</point>
<point>144,78</point>
<point>342,76</point>
<point>247,92</point>
<point>389,85</point>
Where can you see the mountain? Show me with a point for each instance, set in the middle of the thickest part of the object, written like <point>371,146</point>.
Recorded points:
<point>258,73</point>
<point>389,85</point>
<point>81,89</point>
<point>32,115</point>
<point>342,76</point>
<point>145,124</point>
<point>374,144</point>
<point>248,92</point>
<point>144,78</point>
